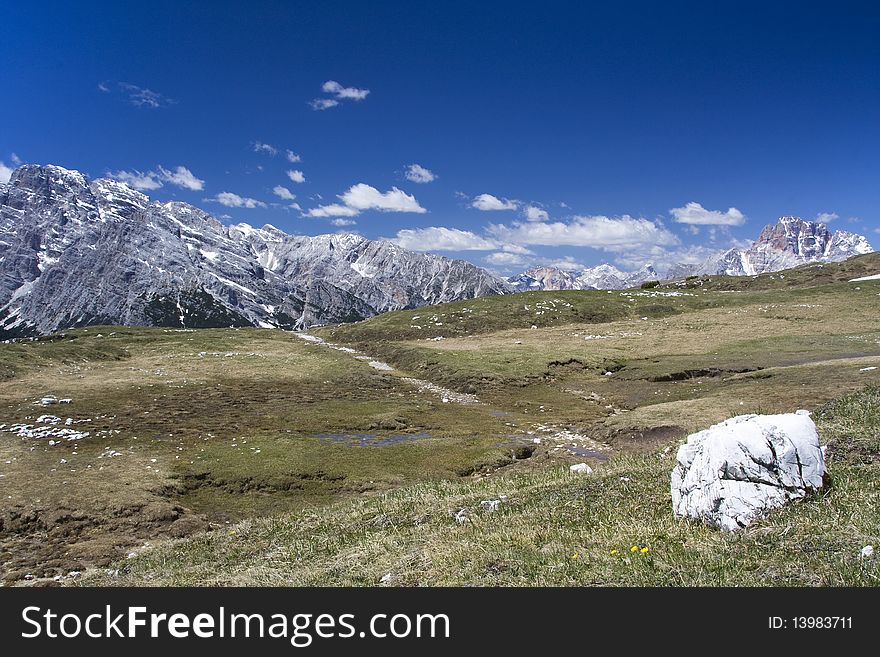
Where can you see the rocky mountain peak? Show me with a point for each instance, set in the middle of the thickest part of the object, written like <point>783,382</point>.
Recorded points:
<point>75,252</point>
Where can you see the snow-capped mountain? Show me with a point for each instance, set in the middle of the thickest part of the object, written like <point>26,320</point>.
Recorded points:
<point>602,277</point>
<point>75,251</point>
<point>789,242</point>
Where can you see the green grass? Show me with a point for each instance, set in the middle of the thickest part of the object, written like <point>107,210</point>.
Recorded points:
<point>553,529</point>
<point>217,426</point>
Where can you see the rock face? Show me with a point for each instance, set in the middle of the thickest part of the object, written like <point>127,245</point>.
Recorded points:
<point>790,242</point>
<point>75,252</point>
<point>738,470</point>
<point>602,277</point>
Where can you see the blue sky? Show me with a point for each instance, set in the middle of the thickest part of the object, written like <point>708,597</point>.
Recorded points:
<point>554,132</point>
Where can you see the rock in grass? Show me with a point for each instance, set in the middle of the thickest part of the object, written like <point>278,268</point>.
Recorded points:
<point>580,468</point>
<point>736,471</point>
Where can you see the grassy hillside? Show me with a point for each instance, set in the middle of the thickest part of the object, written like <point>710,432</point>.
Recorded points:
<point>553,528</point>
<point>342,470</point>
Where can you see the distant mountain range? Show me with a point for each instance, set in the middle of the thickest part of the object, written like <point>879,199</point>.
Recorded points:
<point>75,252</point>
<point>789,242</point>
<point>603,277</point>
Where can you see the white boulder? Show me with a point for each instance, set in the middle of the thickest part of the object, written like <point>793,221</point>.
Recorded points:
<point>580,468</point>
<point>738,470</point>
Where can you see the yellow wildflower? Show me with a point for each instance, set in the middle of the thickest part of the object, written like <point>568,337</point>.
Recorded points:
<point>644,550</point>
<point>613,553</point>
<point>634,548</point>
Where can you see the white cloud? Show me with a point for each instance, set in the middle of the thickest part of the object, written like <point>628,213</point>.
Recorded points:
<point>339,93</point>
<point>323,103</point>
<point>143,97</point>
<point>137,180</point>
<point>149,180</point>
<point>344,93</point>
<point>333,210</point>
<point>827,217</point>
<point>269,149</point>
<point>291,156</point>
<point>600,232</point>
<point>419,174</point>
<point>365,197</point>
<point>696,214</point>
<point>567,264</point>
<point>283,192</point>
<point>182,177</point>
<point>296,176</point>
<point>439,238</point>
<point>5,172</point>
<point>102,86</point>
<point>343,222</point>
<point>15,159</point>
<point>505,259</point>
<point>231,200</point>
<point>487,202</point>
<point>536,214</point>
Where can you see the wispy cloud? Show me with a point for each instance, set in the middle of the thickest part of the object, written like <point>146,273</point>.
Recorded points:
<point>601,232</point>
<point>489,203</point>
<point>504,259</point>
<point>695,214</point>
<point>291,156</point>
<point>363,197</point>
<point>418,174</point>
<point>262,147</point>
<point>182,177</point>
<point>319,104</point>
<point>827,217</point>
<point>283,193</point>
<point>135,95</point>
<point>343,222</point>
<point>231,200</point>
<point>5,172</point>
<point>440,238</point>
<point>296,176</point>
<point>333,210</point>
<point>338,93</point>
<point>15,159</point>
<point>149,180</point>
<point>343,93</point>
<point>137,180</point>
<point>536,214</point>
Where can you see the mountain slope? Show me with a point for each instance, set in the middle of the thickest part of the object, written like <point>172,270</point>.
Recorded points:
<point>75,252</point>
<point>601,277</point>
<point>788,243</point>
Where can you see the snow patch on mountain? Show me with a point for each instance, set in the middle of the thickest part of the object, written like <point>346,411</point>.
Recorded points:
<point>75,252</point>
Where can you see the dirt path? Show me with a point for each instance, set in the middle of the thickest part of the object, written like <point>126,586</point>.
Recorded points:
<point>555,438</point>
<point>445,394</point>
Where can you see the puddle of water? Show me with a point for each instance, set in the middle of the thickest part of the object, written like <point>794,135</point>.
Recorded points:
<point>587,453</point>
<point>371,439</point>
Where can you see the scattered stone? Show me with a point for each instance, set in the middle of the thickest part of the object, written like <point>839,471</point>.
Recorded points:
<point>461,516</point>
<point>738,470</point>
<point>580,468</point>
<point>867,552</point>
<point>490,505</point>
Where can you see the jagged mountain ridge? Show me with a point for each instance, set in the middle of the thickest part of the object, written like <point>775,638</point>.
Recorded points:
<point>601,277</point>
<point>790,242</point>
<point>75,252</point>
